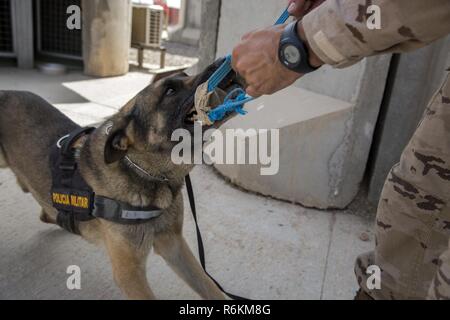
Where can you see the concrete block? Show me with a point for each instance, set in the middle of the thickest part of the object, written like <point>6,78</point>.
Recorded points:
<point>313,132</point>
<point>324,154</point>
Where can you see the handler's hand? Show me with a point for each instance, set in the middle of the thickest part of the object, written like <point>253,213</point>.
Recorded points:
<point>256,59</point>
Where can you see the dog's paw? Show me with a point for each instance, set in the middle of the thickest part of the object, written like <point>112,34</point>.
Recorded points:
<point>45,218</point>
<point>22,186</point>
<point>3,163</point>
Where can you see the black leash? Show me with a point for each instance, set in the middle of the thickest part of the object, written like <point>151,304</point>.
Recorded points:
<point>201,249</point>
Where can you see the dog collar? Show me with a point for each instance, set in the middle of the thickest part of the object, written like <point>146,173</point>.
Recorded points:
<point>144,172</point>
<point>76,201</point>
<point>137,168</point>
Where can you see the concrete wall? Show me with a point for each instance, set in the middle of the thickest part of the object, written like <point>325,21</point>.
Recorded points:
<point>417,77</point>
<point>237,18</point>
<point>193,16</point>
<point>419,74</point>
<point>209,32</point>
<point>23,32</point>
<point>192,20</point>
<point>323,158</point>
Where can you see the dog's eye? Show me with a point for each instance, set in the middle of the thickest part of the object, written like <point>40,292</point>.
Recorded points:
<point>170,92</point>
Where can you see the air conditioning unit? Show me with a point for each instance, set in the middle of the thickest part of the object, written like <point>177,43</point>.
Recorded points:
<point>147,25</point>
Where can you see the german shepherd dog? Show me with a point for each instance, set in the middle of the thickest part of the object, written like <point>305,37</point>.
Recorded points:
<point>141,130</point>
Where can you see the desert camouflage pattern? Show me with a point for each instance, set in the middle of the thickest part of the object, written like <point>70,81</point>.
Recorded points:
<point>413,219</point>
<point>440,287</point>
<point>338,33</point>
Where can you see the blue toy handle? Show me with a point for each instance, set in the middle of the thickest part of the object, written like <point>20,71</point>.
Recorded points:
<point>232,104</point>
<point>225,68</point>
<point>283,18</point>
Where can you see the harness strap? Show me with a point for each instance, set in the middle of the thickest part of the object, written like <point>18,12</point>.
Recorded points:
<point>123,213</point>
<point>201,248</point>
<point>66,148</point>
<point>70,194</point>
<point>66,221</point>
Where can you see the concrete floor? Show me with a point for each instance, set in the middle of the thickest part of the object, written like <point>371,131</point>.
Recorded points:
<point>255,246</point>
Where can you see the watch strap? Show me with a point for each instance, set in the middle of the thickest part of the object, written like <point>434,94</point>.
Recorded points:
<point>290,37</point>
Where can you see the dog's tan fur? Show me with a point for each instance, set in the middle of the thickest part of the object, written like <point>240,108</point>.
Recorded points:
<point>3,163</point>
<point>141,130</point>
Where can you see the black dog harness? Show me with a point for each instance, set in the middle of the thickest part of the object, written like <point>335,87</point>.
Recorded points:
<point>74,198</point>
<point>76,201</point>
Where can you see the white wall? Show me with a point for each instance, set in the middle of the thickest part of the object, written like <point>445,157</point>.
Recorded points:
<point>328,153</point>
<point>239,17</point>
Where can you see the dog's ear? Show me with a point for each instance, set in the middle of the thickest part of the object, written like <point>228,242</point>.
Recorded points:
<point>118,142</point>
<point>116,147</point>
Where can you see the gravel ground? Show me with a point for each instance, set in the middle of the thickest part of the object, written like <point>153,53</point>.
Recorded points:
<point>177,55</point>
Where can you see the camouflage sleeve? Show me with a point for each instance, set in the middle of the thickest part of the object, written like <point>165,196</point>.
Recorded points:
<point>338,30</point>
<point>440,287</point>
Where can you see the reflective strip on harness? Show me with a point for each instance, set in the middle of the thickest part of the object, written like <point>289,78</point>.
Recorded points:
<point>116,211</point>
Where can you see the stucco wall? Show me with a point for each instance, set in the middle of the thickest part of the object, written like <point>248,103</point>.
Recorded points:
<point>239,17</point>
<point>327,154</point>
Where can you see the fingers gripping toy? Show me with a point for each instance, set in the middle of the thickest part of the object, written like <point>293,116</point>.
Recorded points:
<point>213,104</point>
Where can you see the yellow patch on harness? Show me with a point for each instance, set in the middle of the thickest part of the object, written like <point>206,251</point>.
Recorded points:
<point>70,200</point>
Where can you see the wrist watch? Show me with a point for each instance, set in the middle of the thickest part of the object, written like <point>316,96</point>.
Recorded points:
<point>292,52</point>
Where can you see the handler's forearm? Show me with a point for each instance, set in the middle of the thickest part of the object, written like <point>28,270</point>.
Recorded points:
<point>314,59</point>
<point>338,34</point>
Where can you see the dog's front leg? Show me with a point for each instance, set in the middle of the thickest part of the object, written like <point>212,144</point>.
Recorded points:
<point>128,264</point>
<point>175,251</point>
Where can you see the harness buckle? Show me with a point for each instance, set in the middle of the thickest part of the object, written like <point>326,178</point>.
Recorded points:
<point>68,165</point>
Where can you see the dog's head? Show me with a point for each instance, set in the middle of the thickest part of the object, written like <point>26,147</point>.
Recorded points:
<point>147,122</point>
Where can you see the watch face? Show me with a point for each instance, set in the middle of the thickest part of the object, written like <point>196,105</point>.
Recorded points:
<point>291,54</point>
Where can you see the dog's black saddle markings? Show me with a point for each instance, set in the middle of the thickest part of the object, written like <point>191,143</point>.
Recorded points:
<point>74,198</point>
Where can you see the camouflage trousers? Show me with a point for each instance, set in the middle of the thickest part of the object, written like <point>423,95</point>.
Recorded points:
<point>412,244</point>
